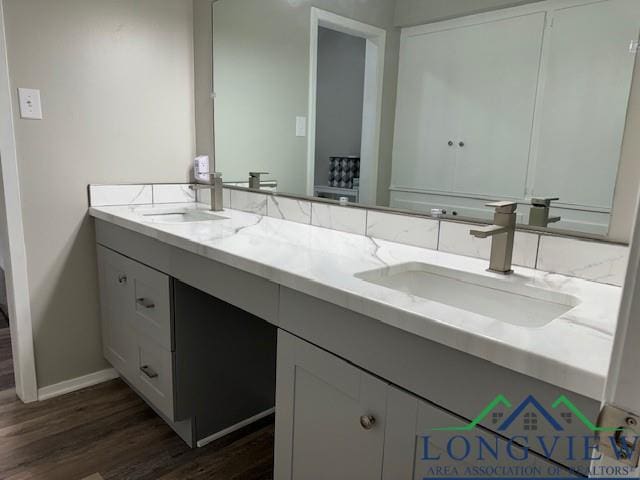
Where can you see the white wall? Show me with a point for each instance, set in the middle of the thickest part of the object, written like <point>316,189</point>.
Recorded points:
<point>262,82</point>
<point>117,81</point>
<point>340,97</point>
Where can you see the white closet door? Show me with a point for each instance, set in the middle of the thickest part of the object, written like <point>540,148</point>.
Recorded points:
<point>497,64</point>
<point>425,112</point>
<point>467,84</point>
<point>585,97</point>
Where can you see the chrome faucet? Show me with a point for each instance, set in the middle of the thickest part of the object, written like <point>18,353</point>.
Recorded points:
<point>503,232</point>
<point>215,186</point>
<point>254,179</point>
<point>539,212</point>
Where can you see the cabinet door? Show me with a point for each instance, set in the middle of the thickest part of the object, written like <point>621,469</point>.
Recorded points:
<point>426,112</point>
<point>116,292</point>
<point>414,450</point>
<point>588,76</point>
<point>320,400</point>
<point>497,86</point>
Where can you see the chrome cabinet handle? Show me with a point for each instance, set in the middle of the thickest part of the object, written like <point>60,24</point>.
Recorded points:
<point>122,279</point>
<point>450,143</point>
<point>367,422</point>
<point>461,144</point>
<point>146,303</point>
<point>148,371</point>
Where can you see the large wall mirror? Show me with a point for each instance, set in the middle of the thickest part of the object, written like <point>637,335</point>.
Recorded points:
<point>425,104</point>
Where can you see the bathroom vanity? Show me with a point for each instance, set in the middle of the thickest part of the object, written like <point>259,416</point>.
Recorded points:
<point>370,354</point>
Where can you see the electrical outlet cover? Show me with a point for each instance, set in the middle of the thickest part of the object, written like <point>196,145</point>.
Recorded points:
<point>30,105</point>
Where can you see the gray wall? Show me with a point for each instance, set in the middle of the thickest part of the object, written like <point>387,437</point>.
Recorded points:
<point>258,100</point>
<point>340,96</point>
<point>118,92</point>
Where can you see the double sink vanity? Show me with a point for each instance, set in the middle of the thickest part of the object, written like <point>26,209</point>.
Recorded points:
<point>360,345</point>
<point>390,345</point>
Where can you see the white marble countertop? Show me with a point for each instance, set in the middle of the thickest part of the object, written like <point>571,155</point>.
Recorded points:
<point>573,351</point>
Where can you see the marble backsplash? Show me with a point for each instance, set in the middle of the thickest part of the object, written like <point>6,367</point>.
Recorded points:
<point>596,261</point>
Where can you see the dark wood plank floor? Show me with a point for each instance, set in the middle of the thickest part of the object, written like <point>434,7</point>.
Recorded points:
<point>6,360</point>
<point>108,429</point>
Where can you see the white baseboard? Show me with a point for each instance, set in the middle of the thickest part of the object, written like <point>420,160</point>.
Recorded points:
<point>75,384</point>
<point>233,428</point>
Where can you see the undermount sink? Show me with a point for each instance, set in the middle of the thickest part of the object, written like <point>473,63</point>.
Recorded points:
<point>510,302</point>
<point>179,215</point>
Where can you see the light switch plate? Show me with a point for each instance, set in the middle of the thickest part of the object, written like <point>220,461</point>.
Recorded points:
<point>30,105</point>
<point>301,126</point>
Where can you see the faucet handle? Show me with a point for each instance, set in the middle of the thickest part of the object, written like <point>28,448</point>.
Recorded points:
<point>257,174</point>
<point>543,201</point>
<point>504,206</point>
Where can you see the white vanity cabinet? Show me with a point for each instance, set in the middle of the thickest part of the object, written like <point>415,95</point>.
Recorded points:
<point>115,291</point>
<point>407,383</point>
<point>354,396</point>
<point>184,333</point>
<point>338,422</point>
<point>330,417</point>
<point>136,326</point>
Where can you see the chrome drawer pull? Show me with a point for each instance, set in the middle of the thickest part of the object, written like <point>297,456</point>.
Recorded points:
<point>143,302</point>
<point>148,371</point>
<point>122,279</point>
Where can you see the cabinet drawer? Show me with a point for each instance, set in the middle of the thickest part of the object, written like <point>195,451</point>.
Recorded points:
<point>154,375</point>
<point>151,304</point>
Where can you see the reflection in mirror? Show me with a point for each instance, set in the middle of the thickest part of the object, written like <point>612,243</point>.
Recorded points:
<point>384,103</point>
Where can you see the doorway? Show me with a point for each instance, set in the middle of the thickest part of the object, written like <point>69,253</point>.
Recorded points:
<point>339,108</point>
<point>7,380</point>
<point>345,107</point>
<point>19,337</point>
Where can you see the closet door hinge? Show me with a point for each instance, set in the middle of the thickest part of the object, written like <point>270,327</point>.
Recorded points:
<point>619,435</point>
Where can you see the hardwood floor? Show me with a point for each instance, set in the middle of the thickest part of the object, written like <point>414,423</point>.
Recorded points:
<point>109,430</point>
<point>6,360</point>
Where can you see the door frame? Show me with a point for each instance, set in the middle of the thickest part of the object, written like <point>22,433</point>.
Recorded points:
<point>372,106</point>
<point>13,245</point>
<point>622,386</point>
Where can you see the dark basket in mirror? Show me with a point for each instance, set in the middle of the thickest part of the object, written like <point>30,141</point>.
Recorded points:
<point>344,172</point>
